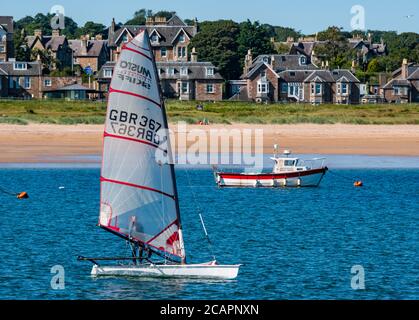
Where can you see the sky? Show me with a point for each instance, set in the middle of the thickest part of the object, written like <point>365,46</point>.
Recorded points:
<point>307,16</point>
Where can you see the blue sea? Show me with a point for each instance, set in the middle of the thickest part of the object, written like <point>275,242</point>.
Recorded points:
<point>293,243</point>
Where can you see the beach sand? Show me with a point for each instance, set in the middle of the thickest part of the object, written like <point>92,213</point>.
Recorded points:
<point>60,143</point>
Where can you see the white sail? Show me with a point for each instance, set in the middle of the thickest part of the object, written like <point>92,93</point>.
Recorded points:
<point>138,192</point>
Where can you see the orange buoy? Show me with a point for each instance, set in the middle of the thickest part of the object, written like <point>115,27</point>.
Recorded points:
<point>358,183</point>
<point>22,195</point>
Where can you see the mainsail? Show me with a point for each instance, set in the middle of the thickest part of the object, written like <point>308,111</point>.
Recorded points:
<point>138,191</point>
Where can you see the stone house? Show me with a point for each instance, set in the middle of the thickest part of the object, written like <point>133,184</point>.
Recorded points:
<point>294,78</point>
<point>403,86</point>
<point>6,38</point>
<point>89,52</point>
<point>25,80</point>
<point>183,80</point>
<point>169,38</point>
<point>57,45</point>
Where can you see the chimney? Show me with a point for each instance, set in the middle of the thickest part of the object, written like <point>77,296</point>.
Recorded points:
<point>248,60</point>
<point>404,69</point>
<point>149,21</point>
<point>327,64</point>
<point>194,55</point>
<point>55,32</point>
<point>37,33</point>
<point>353,68</point>
<point>160,20</point>
<point>382,79</point>
<point>290,39</point>
<point>272,61</point>
<point>83,49</point>
<point>369,37</point>
<point>98,37</point>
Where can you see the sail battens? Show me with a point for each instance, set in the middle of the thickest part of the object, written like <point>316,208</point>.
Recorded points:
<point>106,135</point>
<point>102,179</point>
<point>112,90</point>
<point>136,51</point>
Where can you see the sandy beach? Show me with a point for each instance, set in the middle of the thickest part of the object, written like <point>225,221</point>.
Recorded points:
<point>59,143</point>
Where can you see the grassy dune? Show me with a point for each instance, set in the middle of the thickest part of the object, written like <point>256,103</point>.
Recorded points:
<point>85,112</point>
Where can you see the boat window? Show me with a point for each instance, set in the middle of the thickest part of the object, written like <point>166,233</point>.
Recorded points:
<point>289,163</point>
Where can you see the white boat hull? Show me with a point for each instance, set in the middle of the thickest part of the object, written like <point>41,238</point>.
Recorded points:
<point>181,271</point>
<point>306,179</point>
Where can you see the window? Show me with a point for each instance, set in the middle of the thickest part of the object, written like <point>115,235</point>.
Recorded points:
<point>181,52</point>
<point>318,88</point>
<point>183,71</point>
<point>47,82</point>
<point>263,87</point>
<point>289,163</point>
<point>210,88</point>
<point>107,73</point>
<point>266,59</point>
<point>125,38</point>
<point>291,90</point>
<point>185,87</point>
<point>284,87</point>
<point>20,66</point>
<point>182,38</point>
<point>2,48</point>
<point>303,60</point>
<point>344,88</point>
<point>14,82</point>
<point>155,38</point>
<point>163,52</point>
<point>292,74</point>
<point>27,83</point>
<point>171,71</point>
<point>210,71</point>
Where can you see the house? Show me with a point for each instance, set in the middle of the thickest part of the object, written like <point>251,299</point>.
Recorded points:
<point>365,48</point>
<point>169,38</point>
<point>89,52</point>
<point>71,92</point>
<point>25,80</point>
<point>56,45</point>
<point>404,84</point>
<point>6,38</point>
<point>184,80</point>
<point>294,78</point>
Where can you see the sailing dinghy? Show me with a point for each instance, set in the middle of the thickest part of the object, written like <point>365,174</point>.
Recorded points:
<point>139,200</point>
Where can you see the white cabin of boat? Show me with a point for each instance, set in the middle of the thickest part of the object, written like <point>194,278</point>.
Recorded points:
<point>287,164</point>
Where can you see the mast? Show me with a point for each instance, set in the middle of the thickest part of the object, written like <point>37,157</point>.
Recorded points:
<point>169,148</point>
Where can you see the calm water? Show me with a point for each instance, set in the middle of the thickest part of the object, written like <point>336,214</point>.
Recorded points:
<point>295,243</point>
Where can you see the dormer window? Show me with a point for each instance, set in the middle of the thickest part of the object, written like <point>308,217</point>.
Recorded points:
<point>210,71</point>
<point>303,60</point>
<point>154,38</point>
<point>107,73</point>
<point>184,71</point>
<point>266,59</point>
<point>182,37</point>
<point>292,74</point>
<point>125,38</point>
<point>171,71</point>
<point>20,66</point>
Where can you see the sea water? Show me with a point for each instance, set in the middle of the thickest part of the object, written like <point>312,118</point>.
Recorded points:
<point>293,243</point>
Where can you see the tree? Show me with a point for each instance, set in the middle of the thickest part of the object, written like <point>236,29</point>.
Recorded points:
<point>91,28</point>
<point>21,48</point>
<point>255,37</point>
<point>283,33</point>
<point>217,42</point>
<point>140,17</point>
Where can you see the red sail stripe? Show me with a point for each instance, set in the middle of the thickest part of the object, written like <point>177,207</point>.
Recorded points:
<point>136,51</point>
<point>157,235</point>
<point>270,176</point>
<point>132,42</point>
<point>102,179</point>
<point>111,90</point>
<point>105,134</point>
